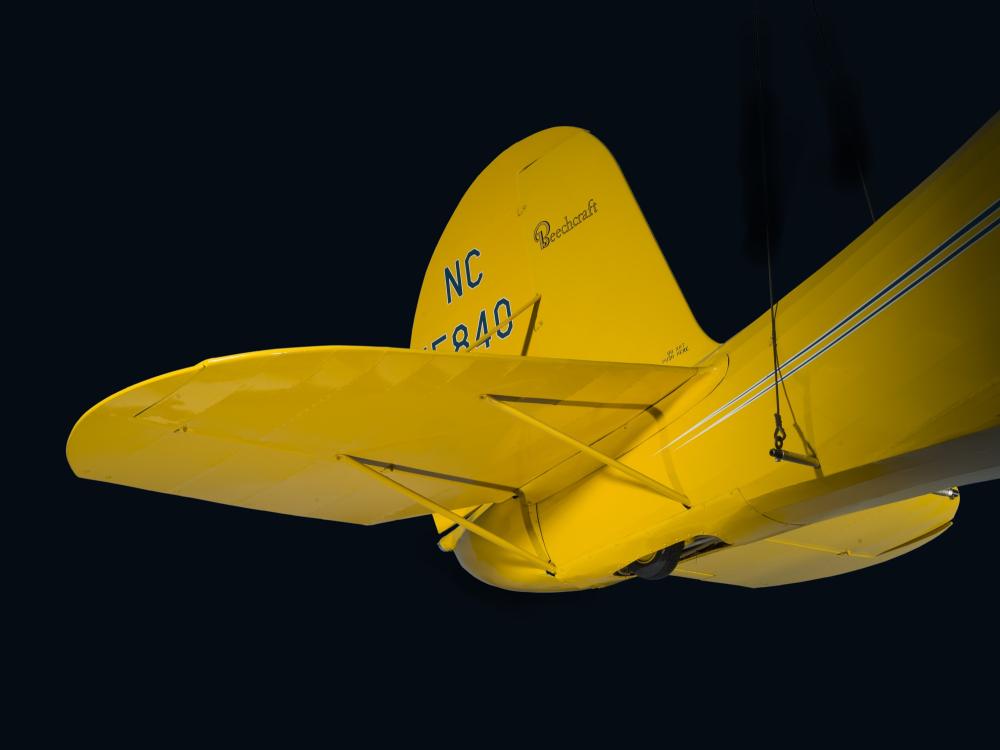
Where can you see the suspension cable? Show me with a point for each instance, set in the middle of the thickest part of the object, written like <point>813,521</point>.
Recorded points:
<point>779,430</point>
<point>827,46</point>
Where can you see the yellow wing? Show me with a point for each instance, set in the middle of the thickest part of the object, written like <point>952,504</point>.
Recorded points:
<point>263,430</point>
<point>839,545</point>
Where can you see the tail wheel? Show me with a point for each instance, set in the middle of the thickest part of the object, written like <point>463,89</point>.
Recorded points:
<point>656,566</point>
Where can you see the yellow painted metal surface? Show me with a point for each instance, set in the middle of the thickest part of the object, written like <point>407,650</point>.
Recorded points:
<point>447,541</point>
<point>465,523</point>
<point>584,448</point>
<point>490,263</point>
<point>840,545</point>
<point>891,367</point>
<point>553,217</point>
<point>263,430</point>
<point>890,364</point>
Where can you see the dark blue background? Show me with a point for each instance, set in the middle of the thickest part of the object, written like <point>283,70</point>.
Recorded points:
<point>236,183</point>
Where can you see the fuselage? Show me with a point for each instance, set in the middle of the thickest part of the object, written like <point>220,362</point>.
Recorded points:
<point>889,377</point>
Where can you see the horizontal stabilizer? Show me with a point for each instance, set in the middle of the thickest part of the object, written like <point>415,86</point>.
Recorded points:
<point>263,430</point>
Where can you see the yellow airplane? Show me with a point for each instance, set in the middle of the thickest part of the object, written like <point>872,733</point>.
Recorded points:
<point>568,424</point>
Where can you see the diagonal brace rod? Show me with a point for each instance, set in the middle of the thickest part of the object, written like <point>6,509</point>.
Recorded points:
<point>628,471</point>
<point>527,306</point>
<point>476,529</point>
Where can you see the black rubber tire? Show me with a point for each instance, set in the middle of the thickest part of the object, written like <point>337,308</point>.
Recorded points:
<point>662,564</point>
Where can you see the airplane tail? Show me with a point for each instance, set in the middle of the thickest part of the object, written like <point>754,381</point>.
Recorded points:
<point>549,255</point>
